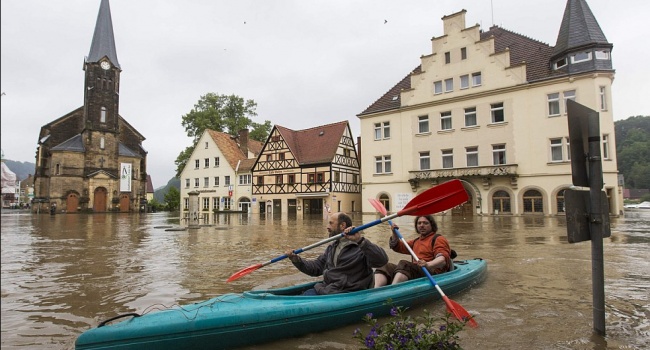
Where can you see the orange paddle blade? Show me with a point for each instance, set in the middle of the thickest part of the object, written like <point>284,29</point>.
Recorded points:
<point>459,312</point>
<point>244,272</point>
<point>437,199</point>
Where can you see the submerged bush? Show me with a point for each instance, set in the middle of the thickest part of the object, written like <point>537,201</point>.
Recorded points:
<point>403,332</point>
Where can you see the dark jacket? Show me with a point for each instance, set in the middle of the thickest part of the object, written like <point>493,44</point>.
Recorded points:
<point>351,271</point>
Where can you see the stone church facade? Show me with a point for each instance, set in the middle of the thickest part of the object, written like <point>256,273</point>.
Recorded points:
<point>92,159</point>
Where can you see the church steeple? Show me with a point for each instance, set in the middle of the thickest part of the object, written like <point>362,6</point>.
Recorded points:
<point>581,44</point>
<point>103,44</point>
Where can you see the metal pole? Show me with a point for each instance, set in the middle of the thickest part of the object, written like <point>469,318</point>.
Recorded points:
<point>596,225</point>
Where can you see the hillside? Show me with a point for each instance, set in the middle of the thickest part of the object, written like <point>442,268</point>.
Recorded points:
<point>21,169</point>
<point>159,193</point>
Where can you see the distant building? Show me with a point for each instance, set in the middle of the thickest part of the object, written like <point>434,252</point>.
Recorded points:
<point>489,108</point>
<point>219,171</point>
<point>10,186</point>
<point>92,158</point>
<point>307,171</point>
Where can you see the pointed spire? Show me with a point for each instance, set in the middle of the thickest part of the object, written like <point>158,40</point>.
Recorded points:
<point>103,40</point>
<point>579,29</point>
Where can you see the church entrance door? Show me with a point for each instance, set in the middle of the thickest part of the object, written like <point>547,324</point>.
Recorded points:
<point>99,203</point>
<point>125,203</point>
<point>71,203</point>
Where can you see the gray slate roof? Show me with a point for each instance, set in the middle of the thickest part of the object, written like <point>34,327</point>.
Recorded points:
<point>579,29</point>
<point>73,144</point>
<point>103,40</point>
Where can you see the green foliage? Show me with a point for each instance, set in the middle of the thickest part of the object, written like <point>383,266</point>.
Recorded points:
<point>155,205</point>
<point>633,150</point>
<point>172,199</point>
<point>225,113</point>
<point>403,332</point>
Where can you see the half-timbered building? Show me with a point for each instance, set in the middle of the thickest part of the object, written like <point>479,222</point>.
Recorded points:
<point>307,171</point>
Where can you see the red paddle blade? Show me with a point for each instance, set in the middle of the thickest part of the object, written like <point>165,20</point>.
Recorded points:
<point>459,312</point>
<point>244,272</point>
<point>436,199</point>
<point>378,206</point>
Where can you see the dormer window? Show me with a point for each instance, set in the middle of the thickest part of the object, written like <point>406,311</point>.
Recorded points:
<point>581,57</point>
<point>602,55</point>
<point>561,63</point>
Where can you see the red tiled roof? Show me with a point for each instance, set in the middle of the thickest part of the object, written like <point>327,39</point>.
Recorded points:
<point>149,185</point>
<point>230,148</point>
<point>535,54</point>
<point>315,145</point>
<point>246,165</point>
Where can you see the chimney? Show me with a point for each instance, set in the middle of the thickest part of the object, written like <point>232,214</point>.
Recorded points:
<point>243,141</point>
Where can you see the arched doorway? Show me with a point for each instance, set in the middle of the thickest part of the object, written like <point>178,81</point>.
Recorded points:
<point>501,202</point>
<point>533,202</point>
<point>99,201</point>
<point>125,203</point>
<point>71,203</point>
<point>385,201</point>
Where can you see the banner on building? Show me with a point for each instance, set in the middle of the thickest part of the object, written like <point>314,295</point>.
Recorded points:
<point>125,177</point>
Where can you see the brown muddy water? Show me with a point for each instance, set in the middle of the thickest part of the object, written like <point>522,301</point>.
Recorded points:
<point>65,273</point>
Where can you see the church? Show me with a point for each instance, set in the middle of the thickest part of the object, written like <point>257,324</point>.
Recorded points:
<point>92,159</point>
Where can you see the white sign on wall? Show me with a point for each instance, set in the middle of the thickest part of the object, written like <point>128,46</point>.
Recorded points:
<point>401,200</point>
<point>125,177</point>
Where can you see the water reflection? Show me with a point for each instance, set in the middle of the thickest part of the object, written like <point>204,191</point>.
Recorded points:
<point>62,274</point>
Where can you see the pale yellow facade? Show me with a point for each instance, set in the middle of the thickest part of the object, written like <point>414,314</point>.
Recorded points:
<point>499,135</point>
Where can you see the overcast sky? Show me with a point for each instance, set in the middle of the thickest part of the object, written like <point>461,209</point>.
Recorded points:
<point>305,63</point>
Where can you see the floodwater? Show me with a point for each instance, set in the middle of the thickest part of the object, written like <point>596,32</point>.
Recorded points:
<point>65,273</point>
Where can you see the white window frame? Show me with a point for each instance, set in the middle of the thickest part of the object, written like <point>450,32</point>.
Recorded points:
<point>423,124</point>
<point>382,131</point>
<point>187,183</point>
<point>206,181</point>
<point>602,55</point>
<point>226,180</point>
<point>186,203</point>
<point>215,203</point>
<point>560,63</point>
<point>425,160</point>
<point>445,120</point>
<point>449,85</point>
<point>447,158</point>
<point>197,163</point>
<point>437,87</point>
<point>471,156</point>
<point>499,154</point>
<point>581,57</point>
<point>556,150</point>
<point>605,146</point>
<point>206,162</point>
<point>496,110</point>
<point>216,181</point>
<point>602,92</point>
<point>206,203</point>
<point>196,182</point>
<point>216,162</point>
<point>383,164</point>
<point>470,112</point>
<point>476,79</point>
<point>464,82</point>
<point>245,179</point>
<point>568,95</point>
<point>553,102</point>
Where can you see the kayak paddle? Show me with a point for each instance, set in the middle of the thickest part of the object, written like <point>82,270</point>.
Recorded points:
<point>436,199</point>
<point>452,307</point>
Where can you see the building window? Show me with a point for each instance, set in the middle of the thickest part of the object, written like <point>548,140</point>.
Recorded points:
<point>196,182</point>
<point>498,115</point>
<point>215,202</point>
<point>533,202</point>
<point>101,142</point>
<point>206,182</point>
<point>553,104</point>
<point>559,201</point>
<point>320,178</point>
<point>581,57</point>
<point>269,157</point>
<point>291,179</point>
<point>57,170</point>
<point>226,203</point>
<point>501,202</point>
<point>102,115</point>
<point>355,178</point>
<point>382,165</point>
<point>447,158</point>
<point>186,203</point>
<point>603,98</point>
<point>216,162</point>
<point>602,55</point>
<point>447,57</point>
<point>187,183</point>
<point>281,155</point>
<point>568,148</point>
<point>196,163</point>
<point>605,146</point>
<point>226,180</point>
<point>569,95</point>
<point>560,63</point>
<point>463,53</point>
<point>556,150</point>
<point>470,116</point>
<point>206,162</point>
<point>464,81</point>
<point>206,145</point>
<point>385,201</point>
<point>437,87</point>
<point>423,124</point>
<point>476,79</point>
<point>278,179</point>
<point>260,180</point>
<point>445,120</point>
<point>472,156</point>
<point>245,179</point>
<point>498,154</point>
<point>216,181</point>
<point>449,85</point>
<point>425,161</point>
<point>347,152</point>
<point>206,203</point>
<point>382,130</point>
<point>310,178</point>
<point>337,176</point>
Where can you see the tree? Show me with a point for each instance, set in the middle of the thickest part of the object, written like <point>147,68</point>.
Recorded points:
<point>221,113</point>
<point>173,199</point>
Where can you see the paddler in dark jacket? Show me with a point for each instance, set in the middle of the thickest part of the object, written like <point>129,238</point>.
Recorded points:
<point>347,264</point>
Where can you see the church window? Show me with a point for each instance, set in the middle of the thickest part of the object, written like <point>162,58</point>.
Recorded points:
<point>102,115</point>
<point>101,142</point>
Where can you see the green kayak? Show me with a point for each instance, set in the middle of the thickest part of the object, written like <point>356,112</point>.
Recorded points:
<point>239,319</point>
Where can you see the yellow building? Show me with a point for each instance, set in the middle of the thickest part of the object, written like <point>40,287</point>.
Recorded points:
<point>489,108</point>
